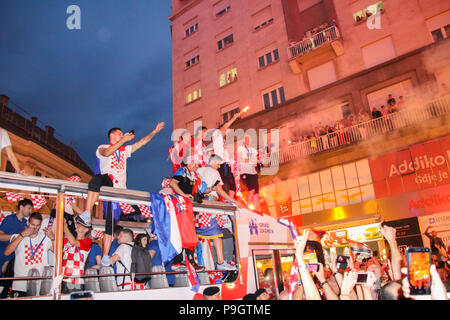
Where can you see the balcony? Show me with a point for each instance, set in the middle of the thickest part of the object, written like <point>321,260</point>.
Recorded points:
<point>410,117</point>
<point>325,40</point>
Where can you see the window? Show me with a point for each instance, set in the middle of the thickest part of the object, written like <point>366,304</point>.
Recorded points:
<point>225,42</point>
<point>438,26</point>
<point>228,115</point>
<point>222,7</point>
<point>373,9</point>
<point>305,4</point>
<point>273,97</point>
<point>193,92</point>
<point>322,75</point>
<point>437,35</point>
<point>268,58</point>
<point>191,29</point>
<point>192,61</point>
<point>227,76</point>
<point>378,52</point>
<point>262,18</point>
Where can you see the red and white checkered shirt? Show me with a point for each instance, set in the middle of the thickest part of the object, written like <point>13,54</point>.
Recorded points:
<point>203,219</point>
<point>74,259</point>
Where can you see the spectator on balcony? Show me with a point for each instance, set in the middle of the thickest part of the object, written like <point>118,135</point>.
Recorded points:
<point>376,113</point>
<point>5,143</point>
<point>390,99</point>
<point>401,103</point>
<point>324,138</point>
<point>247,157</point>
<point>111,171</point>
<point>386,117</point>
<point>30,247</point>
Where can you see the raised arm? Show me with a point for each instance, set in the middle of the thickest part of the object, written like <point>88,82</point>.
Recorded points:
<point>329,292</point>
<point>389,235</point>
<point>72,240</point>
<point>309,287</point>
<point>229,123</point>
<point>12,157</point>
<point>136,146</point>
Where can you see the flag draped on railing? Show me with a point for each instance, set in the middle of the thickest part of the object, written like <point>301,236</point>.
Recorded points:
<point>166,227</point>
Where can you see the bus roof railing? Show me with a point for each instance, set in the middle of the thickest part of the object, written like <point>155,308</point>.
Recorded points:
<point>53,186</point>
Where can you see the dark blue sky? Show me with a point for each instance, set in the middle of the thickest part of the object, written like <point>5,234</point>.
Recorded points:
<point>114,72</point>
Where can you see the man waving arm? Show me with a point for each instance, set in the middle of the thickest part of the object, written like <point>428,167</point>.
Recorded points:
<point>136,146</point>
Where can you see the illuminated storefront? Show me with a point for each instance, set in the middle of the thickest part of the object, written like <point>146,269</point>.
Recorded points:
<point>408,189</point>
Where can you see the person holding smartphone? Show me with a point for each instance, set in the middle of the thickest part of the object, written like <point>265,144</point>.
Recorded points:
<point>111,171</point>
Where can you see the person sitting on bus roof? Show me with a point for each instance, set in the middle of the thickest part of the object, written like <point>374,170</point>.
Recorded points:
<point>111,171</point>
<point>30,247</point>
<point>185,182</point>
<point>210,226</point>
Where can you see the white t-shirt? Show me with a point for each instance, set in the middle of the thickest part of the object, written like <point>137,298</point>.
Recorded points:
<point>24,263</point>
<point>220,147</point>
<point>209,175</point>
<point>124,252</point>
<point>115,165</point>
<point>247,158</point>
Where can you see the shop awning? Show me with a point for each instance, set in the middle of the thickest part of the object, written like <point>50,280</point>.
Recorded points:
<point>345,223</point>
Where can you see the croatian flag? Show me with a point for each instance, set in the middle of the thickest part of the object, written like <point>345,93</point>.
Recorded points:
<point>166,226</point>
<point>194,281</point>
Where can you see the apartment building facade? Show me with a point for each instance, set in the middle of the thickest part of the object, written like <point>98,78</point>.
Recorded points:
<point>307,63</point>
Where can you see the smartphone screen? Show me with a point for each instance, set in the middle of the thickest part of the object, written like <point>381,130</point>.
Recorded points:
<point>419,277</point>
<point>313,267</point>
<point>341,262</point>
<point>362,278</point>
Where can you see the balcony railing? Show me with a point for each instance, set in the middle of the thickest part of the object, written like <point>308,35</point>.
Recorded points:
<point>325,36</point>
<point>362,131</point>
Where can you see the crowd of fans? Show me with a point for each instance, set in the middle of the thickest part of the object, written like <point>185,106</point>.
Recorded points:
<point>334,281</point>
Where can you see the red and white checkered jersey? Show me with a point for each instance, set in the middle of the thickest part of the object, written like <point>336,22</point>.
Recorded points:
<point>74,259</point>
<point>24,262</point>
<point>115,164</point>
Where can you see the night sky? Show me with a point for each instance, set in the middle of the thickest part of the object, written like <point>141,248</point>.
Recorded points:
<point>114,72</point>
